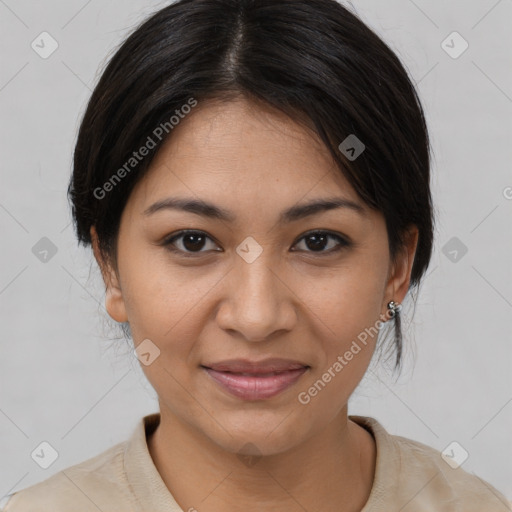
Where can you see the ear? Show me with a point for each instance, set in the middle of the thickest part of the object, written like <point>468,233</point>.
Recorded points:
<point>114,302</point>
<point>400,272</point>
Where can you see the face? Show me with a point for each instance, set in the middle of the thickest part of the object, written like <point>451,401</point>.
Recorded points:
<point>254,283</point>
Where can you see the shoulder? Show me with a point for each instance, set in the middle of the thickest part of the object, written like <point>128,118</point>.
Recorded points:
<point>413,477</point>
<point>437,479</point>
<point>98,483</point>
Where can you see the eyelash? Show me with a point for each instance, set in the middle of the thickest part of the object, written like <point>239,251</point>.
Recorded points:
<point>168,242</point>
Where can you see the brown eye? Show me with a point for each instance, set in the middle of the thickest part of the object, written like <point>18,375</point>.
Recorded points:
<point>317,241</point>
<point>188,242</point>
<point>191,243</point>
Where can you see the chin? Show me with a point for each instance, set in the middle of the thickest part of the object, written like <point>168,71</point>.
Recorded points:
<point>256,432</point>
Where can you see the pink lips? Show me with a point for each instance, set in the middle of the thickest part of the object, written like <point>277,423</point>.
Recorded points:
<point>255,380</point>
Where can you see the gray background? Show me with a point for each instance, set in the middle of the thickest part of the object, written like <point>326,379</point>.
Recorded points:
<point>65,380</point>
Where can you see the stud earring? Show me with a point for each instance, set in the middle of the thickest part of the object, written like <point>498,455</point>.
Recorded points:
<point>393,308</point>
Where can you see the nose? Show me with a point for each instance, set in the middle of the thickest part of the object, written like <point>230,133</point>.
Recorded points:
<point>257,302</point>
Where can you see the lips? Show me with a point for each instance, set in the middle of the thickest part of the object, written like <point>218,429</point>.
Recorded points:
<point>255,380</point>
<point>256,367</point>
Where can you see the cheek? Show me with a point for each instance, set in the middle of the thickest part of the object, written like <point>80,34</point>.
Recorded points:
<point>164,305</point>
<point>167,305</point>
<point>346,311</point>
<point>160,297</point>
<point>346,327</point>
<point>347,301</point>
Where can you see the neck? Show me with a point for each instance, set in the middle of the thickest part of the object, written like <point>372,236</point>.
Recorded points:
<point>331,471</point>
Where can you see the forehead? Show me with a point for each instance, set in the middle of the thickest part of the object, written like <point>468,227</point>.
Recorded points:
<point>243,153</point>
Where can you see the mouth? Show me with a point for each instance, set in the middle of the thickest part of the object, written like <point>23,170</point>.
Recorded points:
<point>251,380</point>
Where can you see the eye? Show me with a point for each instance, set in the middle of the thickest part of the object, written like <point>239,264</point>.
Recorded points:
<point>317,241</point>
<point>191,241</point>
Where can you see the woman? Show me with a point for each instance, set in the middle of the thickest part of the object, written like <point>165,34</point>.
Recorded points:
<point>253,178</point>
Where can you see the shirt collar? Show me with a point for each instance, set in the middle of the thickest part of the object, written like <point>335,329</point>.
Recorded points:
<point>144,479</point>
<point>387,466</point>
<point>152,494</point>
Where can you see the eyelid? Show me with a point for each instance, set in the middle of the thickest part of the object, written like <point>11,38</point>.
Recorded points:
<point>343,241</point>
<point>343,238</point>
<point>168,241</point>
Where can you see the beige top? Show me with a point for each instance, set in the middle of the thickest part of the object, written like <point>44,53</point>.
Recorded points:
<point>409,477</point>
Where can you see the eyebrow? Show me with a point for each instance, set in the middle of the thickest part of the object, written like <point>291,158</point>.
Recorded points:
<point>297,212</point>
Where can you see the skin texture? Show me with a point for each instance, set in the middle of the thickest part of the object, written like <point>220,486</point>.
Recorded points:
<point>296,300</point>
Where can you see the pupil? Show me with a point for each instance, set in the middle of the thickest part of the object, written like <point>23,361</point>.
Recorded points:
<point>194,237</point>
<point>316,239</point>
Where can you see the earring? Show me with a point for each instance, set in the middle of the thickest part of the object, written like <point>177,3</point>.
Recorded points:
<point>393,308</point>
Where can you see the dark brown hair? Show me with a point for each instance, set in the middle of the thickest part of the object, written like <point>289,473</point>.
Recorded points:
<point>312,59</point>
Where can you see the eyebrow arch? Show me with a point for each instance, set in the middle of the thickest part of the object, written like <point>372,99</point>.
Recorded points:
<point>297,212</point>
